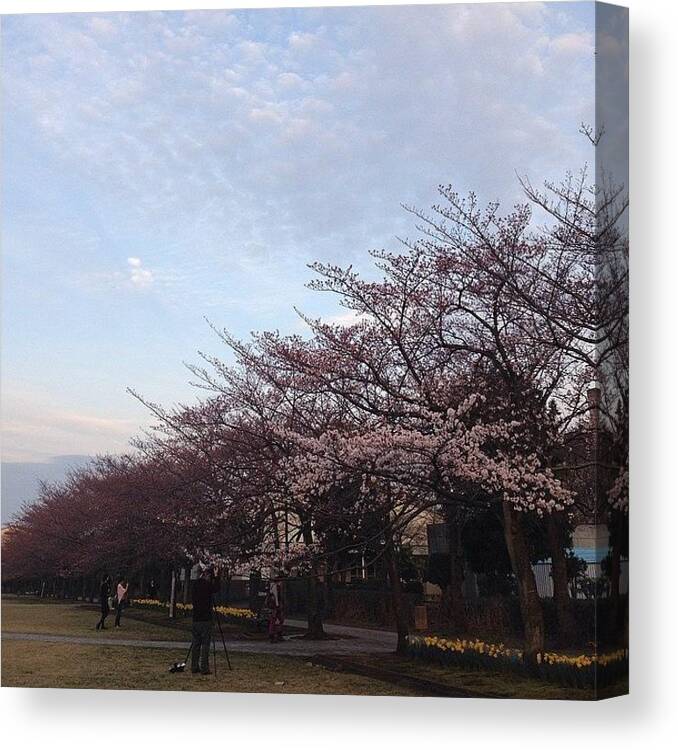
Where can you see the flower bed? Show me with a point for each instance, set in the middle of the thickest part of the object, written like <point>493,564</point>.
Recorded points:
<point>582,671</point>
<point>235,615</point>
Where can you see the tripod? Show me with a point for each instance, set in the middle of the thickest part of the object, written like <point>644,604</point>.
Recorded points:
<point>179,666</point>
<point>215,611</point>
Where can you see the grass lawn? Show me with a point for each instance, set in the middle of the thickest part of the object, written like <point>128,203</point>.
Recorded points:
<point>27,615</point>
<point>31,664</point>
<point>232,630</point>
<point>61,665</point>
<point>500,684</point>
<point>57,617</point>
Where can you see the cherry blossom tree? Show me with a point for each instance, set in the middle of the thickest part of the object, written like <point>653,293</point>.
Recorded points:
<point>462,384</point>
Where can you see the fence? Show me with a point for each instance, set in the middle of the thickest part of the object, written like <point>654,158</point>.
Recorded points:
<point>592,581</point>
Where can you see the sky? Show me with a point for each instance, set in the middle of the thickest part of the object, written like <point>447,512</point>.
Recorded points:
<point>159,169</point>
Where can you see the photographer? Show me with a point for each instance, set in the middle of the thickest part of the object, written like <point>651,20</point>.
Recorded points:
<point>201,596</point>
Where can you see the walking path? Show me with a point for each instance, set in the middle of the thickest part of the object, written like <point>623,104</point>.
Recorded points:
<point>372,635</point>
<point>359,640</point>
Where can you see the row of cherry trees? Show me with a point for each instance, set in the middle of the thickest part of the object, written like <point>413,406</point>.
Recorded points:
<point>464,384</point>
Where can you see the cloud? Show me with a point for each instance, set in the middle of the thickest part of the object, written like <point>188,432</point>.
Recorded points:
<point>102,25</point>
<point>573,44</point>
<point>301,131</point>
<point>139,277</point>
<point>290,80</point>
<point>252,52</point>
<point>303,41</point>
<point>135,278</point>
<point>229,149</point>
<point>347,318</point>
<point>34,429</point>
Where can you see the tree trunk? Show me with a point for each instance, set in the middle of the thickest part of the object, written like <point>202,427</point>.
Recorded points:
<point>453,596</point>
<point>141,591</point>
<point>187,583</point>
<point>530,605</point>
<point>615,625</point>
<point>173,594</point>
<point>615,572</point>
<point>331,565</point>
<point>162,584</point>
<point>227,588</point>
<point>402,625</point>
<point>567,625</point>
<point>314,614</point>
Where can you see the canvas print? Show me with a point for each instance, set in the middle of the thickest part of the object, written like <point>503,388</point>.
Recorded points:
<point>315,350</point>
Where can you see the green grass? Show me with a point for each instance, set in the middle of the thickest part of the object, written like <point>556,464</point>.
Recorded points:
<point>58,617</point>
<point>233,630</point>
<point>63,665</point>
<point>31,664</point>
<point>59,665</point>
<point>25,615</point>
<point>499,684</point>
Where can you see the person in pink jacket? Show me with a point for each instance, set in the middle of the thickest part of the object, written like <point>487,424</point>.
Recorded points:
<point>121,594</point>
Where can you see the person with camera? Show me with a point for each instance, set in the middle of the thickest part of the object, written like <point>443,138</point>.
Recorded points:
<point>202,594</point>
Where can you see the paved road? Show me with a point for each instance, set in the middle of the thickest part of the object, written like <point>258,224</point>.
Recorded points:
<point>356,640</point>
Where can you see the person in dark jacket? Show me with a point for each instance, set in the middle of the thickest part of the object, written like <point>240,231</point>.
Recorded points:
<point>201,597</point>
<point>104,593</point>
